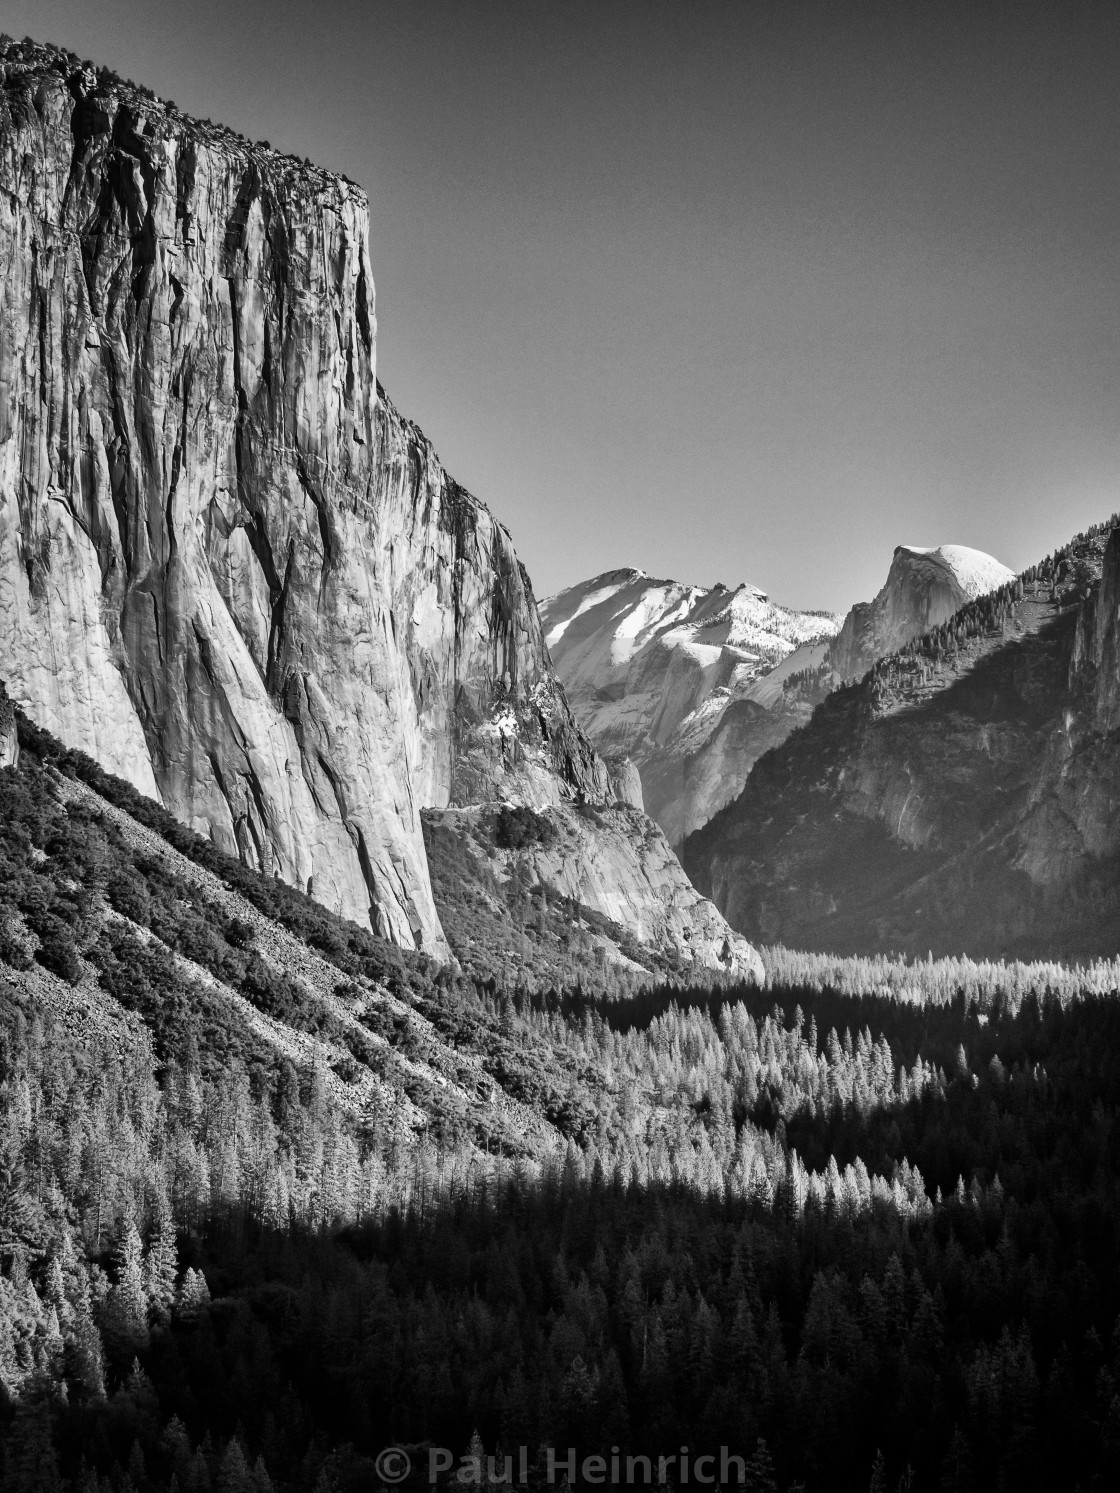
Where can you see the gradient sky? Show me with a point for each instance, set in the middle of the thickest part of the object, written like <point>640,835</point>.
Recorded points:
<point>728,292</point>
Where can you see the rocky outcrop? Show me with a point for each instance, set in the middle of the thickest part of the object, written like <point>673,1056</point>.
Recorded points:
<point>229,569</point>
<point>618,862</point>
<point>924,587</point>
<point>965,800</point>
<point>625,782</point>
<point>665,674</point>
<point>613,860</point>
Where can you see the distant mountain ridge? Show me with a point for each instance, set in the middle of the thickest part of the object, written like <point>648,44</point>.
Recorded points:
<point>659,671</point>
<point>964,795</point>
<point>695,684</point>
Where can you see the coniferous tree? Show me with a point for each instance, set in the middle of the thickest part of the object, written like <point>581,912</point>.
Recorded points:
<point>161,1268</point>
<point>126,1309</point>
<point>30,1464</point>
<point>760,1476</point>
<point>194,1295</point>
<point>234,1474</point>
<point>878,1482</point>
<point>957,1469</point>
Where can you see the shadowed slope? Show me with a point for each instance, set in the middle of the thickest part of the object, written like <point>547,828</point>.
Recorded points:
<point>963,795</point>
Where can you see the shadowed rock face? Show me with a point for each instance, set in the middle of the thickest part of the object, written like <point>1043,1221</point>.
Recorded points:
<point>972,804</point>
<point>9,737</point>
<point>1096,654</point>
<point>229,569</point>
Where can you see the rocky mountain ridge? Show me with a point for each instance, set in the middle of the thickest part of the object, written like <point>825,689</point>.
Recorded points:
<point>962,796</point>
<point>229,569</point>
<point>666,675</point>
<point>694,684</point>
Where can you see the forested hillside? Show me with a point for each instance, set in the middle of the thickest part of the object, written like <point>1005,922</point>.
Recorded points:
<point>275,1195</point>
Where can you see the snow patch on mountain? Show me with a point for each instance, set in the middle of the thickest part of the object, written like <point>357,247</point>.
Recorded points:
<point>614,583</point>
<point>769,689</point>
<point>975,572</point>
<point>652,666</point>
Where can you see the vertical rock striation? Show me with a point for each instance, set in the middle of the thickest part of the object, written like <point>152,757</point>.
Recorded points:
<point>229,569</point>
<point>9,736</point>
<point>1096,651</point>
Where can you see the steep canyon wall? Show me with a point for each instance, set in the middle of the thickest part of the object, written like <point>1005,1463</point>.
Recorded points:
<point>229,569</point>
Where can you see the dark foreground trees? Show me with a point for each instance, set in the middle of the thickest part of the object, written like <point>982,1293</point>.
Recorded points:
<point>974,1343</point>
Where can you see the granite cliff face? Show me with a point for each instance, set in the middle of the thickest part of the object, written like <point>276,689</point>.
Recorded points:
<point>924,587</point>
<point>965,795</point>
<point>674,678</point>
<point>9,736</point>
<point>229,569</point>
<point>1096,652</point>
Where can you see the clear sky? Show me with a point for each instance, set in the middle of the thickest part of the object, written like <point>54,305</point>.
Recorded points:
<point>728,292</point>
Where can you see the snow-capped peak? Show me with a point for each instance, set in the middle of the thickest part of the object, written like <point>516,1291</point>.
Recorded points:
<point>924,587</point>
<point>975,572</point>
